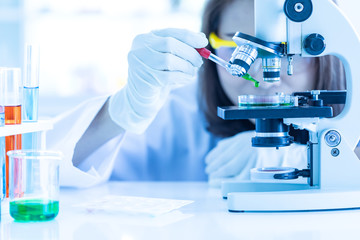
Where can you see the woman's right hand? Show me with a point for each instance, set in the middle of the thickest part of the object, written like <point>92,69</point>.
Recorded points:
<point>158,62</point>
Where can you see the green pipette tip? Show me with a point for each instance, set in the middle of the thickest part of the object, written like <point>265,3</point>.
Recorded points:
<point>250,78</point>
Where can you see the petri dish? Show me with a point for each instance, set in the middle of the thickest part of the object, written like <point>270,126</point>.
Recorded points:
<point>259,100</point>
<point>278,100</point>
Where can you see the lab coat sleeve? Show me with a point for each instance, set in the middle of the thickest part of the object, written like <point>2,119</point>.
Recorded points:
<point>68,129</point>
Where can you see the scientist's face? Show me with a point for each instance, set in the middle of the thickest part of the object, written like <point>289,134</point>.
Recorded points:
<point>239,16</point>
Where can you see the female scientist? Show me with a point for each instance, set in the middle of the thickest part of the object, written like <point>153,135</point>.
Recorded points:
<point>163,124</point>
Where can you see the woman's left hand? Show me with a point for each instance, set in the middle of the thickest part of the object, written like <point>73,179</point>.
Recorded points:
<point>233,157</point>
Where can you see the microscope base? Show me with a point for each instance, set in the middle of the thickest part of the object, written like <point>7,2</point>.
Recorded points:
<point>303,200</point>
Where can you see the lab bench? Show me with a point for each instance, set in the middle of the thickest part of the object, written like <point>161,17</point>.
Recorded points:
<point>206,217</point>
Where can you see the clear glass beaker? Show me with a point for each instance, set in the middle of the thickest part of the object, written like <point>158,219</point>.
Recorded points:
<point>34,184</point>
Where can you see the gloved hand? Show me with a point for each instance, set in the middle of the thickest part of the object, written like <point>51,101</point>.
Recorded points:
<point>158,62</point>
<point>233,158</point>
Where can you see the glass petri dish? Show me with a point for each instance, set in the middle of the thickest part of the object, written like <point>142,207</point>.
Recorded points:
<point>259,100</point>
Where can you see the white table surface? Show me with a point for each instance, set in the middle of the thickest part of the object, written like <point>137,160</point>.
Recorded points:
<point>206,218</point>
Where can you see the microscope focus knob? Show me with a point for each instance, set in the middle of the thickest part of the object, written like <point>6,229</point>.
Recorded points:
<point>314,44</point>
<point>298,10</point>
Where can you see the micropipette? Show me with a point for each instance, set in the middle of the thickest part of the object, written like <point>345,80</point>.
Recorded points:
<point>205,53</point>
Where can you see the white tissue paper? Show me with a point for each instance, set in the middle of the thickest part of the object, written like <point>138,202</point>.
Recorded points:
<point>131,205</point>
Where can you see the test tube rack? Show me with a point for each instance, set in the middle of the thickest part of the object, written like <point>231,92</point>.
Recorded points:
<point>27,127</point>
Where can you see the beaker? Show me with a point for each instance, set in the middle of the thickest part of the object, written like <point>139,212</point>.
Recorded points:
<point>34,184</point>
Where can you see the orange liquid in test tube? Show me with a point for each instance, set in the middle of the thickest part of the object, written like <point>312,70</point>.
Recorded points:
<point>12,116</point>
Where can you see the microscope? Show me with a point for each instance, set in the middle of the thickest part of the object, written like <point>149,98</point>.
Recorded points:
<point>284,28</point>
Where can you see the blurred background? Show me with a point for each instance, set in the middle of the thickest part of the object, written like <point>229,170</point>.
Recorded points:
<point>84,43</point>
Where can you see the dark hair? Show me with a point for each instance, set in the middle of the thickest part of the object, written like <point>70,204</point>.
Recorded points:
<point>331,76</point>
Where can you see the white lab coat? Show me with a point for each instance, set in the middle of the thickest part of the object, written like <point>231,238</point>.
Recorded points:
<point>172,148</point>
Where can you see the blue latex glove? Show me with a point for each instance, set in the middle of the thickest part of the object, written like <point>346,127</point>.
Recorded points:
<point>233,158</point>
<point>158,62</point>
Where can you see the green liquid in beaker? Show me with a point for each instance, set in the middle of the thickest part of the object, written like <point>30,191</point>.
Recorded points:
<point>34,210</point>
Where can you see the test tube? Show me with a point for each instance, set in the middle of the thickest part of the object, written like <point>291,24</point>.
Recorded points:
<point>12,103</point>
<point>2,141</point>
<point>31,84</point>
<point>31,94</point>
